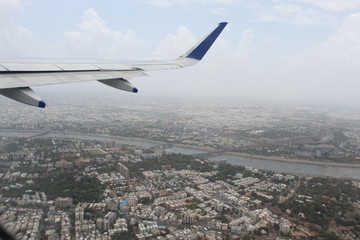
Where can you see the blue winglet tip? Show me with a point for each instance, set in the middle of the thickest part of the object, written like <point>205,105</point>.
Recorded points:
<point>135,90</point>
<point>41,104</point>
<point>199,52</point>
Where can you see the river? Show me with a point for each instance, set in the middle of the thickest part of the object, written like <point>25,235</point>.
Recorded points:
<point>276,166</point>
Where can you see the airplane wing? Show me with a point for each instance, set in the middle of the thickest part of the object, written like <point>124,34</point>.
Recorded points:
<point>16,78</point>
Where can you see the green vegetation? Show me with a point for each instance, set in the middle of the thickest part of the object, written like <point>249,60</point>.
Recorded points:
<point>192,206</point>
<point>145,200</point>
<point>328,236</point>
<point>339,136</point>
<point>247,237</point>
<point>342,190</point>
<point>227,171</point>
<point>277,133</point>
<point>222,218</point>
<point>13,192</point>
<point>92,214</point>
<point>177,161</point>
<point>95,151</point>
<point>331,199</point>
<point>81,189</point>
<point>122,236</point>
<point>45,143</point>
<point>12,147</point>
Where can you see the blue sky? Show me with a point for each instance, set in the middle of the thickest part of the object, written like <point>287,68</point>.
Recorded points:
<point>294,50</point>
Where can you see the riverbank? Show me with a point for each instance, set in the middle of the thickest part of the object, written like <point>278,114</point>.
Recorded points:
<point>115,137</point>
<point>199,148</point>
<point>293,160</point>
<point>272,158</point>
<point>193,147</point>
<point>36,132</point>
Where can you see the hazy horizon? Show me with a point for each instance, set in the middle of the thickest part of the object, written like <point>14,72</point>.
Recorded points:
<point>299,51</point>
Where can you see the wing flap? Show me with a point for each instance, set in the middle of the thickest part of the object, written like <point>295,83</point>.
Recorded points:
<point>16,67</point>
<point>2,69</point>
<point>77,66</point>
<point>120,83</point>
<point>25,95</point>
<point>39,79</point>
<point>156,65</point>
<point>113,66</point>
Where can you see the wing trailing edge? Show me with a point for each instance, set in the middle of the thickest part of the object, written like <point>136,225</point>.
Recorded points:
<point>17,78</point>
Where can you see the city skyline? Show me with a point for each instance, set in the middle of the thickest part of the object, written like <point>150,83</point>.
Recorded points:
<point>145,168</point>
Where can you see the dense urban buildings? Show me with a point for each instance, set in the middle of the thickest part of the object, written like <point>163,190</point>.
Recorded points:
<point>53,187</point>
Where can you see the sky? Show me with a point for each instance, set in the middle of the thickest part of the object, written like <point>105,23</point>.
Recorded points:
<point>272,50</point>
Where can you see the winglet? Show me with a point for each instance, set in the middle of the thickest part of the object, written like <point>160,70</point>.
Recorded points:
<point>200,49</point>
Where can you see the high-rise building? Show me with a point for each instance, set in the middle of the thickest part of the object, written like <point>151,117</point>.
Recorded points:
<point>63,202</point>
<point>79,213</point>
<point>51,210</point>
<point>189,217</point>
<point>159,211</point>
<point>123,170</point>
<point>106,225</point>
<point>109,144</point>
<point>284,228</point>
<point>99,224</point>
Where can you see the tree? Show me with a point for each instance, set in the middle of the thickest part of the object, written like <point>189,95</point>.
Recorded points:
<point>247,237</point>
<point>82,189</point>
<point>329,236</point>
<point>145,200</point>
<point>122,236</point>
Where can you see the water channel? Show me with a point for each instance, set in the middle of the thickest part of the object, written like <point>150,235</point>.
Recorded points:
<point>277,166</point>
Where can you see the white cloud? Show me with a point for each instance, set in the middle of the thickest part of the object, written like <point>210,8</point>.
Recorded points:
<point>7,10</point>
<point>340,50</point>
<point>96,40</point>
<point>289,12</point>
<point>334,5</point>
<point>218,11</point>
<point>15,40</point>
<point>93,40</point>
<point>326,72</point>
<point>161,3</point>
<point>170,3</point>
<point>173,45</point>
<point>304,12</point>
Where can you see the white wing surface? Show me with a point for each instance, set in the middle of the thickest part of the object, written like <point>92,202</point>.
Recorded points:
<point>17,78</point>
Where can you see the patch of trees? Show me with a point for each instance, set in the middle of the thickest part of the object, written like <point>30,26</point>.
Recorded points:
<point>340,189</point>
<point>145,200</point>
<point>13,192</point>
<point>331,198</point>
<point>122,236</point>
<point>12,147</point>
<point>177,161</point>
<point>81,189</point>
<point>328,236</point>
<point>222,218</point>
<point>277,133</point>
<point>227,171</point>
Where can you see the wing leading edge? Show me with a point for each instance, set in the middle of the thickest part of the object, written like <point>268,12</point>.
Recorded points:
<point>17,78</point>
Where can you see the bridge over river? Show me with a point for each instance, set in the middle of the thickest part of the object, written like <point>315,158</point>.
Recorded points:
<point>208,154</point>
